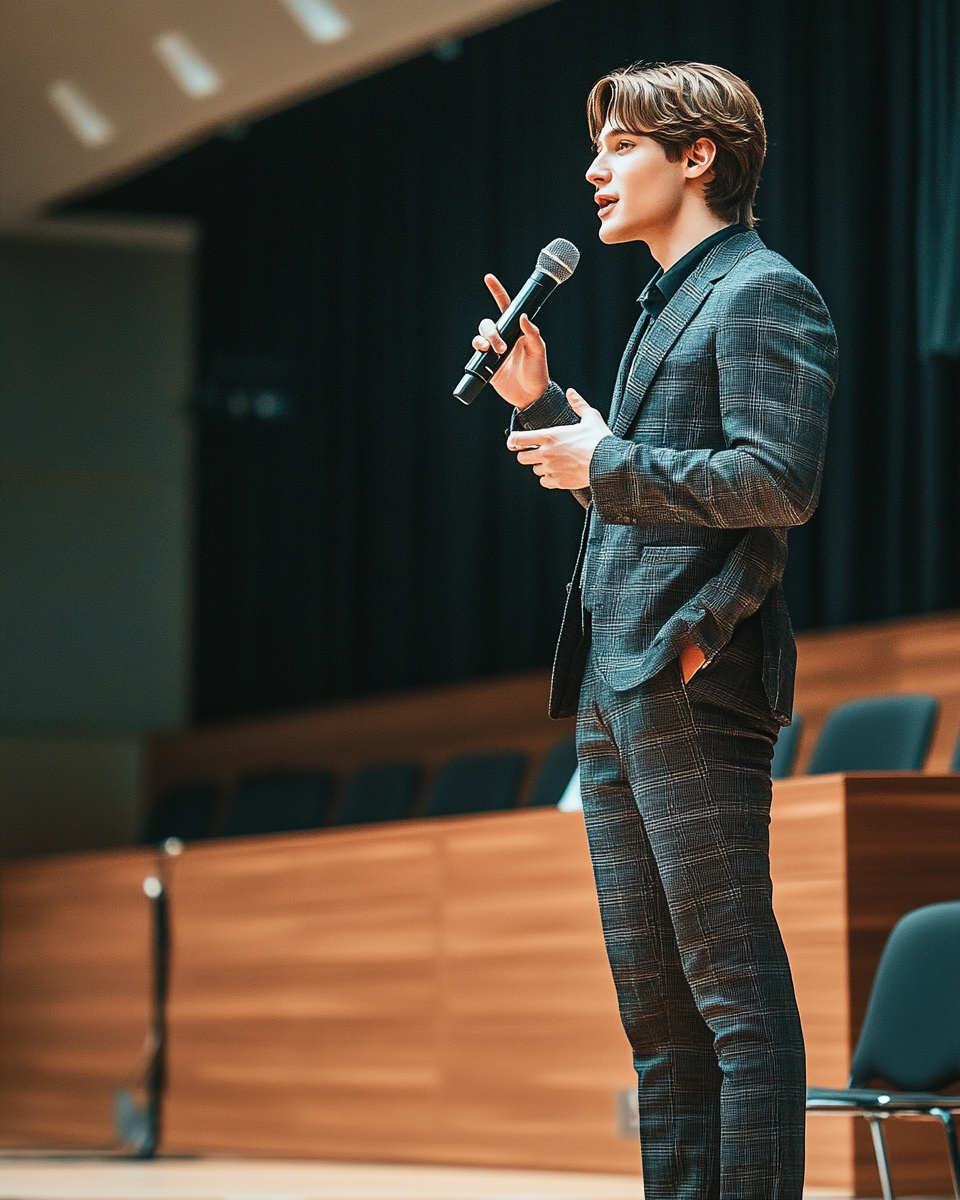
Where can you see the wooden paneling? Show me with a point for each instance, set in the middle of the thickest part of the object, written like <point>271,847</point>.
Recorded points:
<point>74,994</point>
<point>431,992</point>
<point>850,855</point>
<point>809,867</point>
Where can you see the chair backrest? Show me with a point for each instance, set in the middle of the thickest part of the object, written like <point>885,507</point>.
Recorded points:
<point>185,811</point>
<point>785,753</point>
<point>879,733</point>
<point>911,1033</point>
<point>278,802</point>
<point>955,761</point>
<point>384,792</point>
<point>476,783</point>
<point>555,774</point>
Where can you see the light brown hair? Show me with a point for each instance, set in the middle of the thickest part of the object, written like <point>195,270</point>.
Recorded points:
<point>676,104</point>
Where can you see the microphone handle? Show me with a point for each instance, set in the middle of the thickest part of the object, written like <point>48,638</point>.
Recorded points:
<point>483,366</point>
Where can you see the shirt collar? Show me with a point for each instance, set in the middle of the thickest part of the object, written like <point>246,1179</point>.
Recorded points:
<point>665,284</point>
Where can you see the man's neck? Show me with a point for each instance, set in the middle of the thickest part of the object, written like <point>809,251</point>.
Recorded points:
<point>670,243</point>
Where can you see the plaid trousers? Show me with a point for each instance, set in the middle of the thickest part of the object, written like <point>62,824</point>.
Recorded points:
<point>676,795</point>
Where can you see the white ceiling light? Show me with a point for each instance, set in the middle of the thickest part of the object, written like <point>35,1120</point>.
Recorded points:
<point>80,113</point>
<point>320,21</point>
<point>187,65</point>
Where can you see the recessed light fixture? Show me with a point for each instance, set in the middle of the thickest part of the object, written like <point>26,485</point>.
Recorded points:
<point>85,120</point>
<point>187,65</point>
<point>319,19</point>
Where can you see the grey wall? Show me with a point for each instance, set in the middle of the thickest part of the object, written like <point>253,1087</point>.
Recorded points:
<point>94,524</point>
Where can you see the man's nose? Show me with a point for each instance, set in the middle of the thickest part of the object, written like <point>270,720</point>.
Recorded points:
<point>597,173</point>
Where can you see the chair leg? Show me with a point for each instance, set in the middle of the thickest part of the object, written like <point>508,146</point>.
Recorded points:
<point>880,1150</point>
<point>952,1149</point>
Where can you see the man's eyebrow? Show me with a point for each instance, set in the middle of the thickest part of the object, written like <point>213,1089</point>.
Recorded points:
<point>615,132</point>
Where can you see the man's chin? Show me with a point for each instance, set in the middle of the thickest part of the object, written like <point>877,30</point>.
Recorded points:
<point>610,234</point>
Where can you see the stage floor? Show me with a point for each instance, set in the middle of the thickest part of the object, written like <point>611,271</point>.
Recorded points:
<point>69,1177</point>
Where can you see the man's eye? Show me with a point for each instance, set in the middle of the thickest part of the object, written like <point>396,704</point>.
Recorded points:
<point>625,146</point>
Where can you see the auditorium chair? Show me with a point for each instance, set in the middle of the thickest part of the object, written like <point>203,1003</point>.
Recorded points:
<point>785,753</point>
<point>184,811</point>
<point>910,1040</point>
<point>278,802</point>
<point>878,733</point>
<point>384,792</point>
<point>475,783</point>
<point>554,775</point>
<point>955,761</point>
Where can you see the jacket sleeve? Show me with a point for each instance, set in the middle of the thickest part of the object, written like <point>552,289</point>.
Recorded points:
<point>546,412</point>
<point>776,358</point>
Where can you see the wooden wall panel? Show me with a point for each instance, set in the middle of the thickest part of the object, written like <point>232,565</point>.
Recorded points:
<point>431,992</point>
<point>533,1052</point>
<point>74,994</point>
<point>303,1000</point>
<point>808,862</point>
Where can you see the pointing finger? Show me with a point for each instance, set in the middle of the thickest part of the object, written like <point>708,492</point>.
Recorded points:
<point>497,291</point>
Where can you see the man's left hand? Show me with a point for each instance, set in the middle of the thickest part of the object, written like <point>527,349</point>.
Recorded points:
<point>561,455</point>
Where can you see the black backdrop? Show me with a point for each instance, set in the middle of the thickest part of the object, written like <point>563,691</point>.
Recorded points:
<point>378,535</point>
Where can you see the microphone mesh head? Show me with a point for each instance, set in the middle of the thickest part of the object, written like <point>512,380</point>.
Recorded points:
<point>559,259</point>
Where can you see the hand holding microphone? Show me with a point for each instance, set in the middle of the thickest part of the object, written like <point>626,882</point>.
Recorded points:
<point>520,377</point>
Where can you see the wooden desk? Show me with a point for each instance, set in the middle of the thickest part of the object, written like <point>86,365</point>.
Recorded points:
<point>433,991</point>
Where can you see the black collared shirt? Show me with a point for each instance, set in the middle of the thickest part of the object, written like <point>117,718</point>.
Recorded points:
<point>661,290</point>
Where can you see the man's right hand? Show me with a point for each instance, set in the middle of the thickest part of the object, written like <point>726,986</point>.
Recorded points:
<point>523,376</point>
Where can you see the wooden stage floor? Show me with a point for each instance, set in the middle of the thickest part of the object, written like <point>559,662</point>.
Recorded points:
<point>71,1177</point>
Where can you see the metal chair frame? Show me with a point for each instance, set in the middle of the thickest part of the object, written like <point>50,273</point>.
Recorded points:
<point>879,1105</point>
<point>910,1036</point>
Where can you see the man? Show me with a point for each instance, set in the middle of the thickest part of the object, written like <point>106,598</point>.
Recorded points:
<point>676,651</point>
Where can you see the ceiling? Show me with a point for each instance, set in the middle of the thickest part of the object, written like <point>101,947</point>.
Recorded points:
<point>252,57</point>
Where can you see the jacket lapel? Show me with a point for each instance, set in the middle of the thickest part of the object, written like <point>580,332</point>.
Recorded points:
<point>625,363</point>
<point>676,316</point>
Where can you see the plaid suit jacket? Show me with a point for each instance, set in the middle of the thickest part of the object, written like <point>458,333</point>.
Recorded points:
<point>719,421</point>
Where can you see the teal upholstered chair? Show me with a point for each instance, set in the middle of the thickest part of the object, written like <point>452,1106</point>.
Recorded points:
<point>474,784</point>
<point>877,733</point>
<point>910,1041</point>
<point>554,775</point>
<point>278,802</point>
<point>382,792</point>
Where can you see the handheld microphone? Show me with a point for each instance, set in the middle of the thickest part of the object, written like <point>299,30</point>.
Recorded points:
<point>555,264</point>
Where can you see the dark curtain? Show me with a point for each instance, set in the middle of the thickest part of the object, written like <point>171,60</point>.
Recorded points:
<point>366,532</point>
<point>938,226</point>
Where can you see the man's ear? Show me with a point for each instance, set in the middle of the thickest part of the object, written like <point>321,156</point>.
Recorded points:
<point>699,158</point>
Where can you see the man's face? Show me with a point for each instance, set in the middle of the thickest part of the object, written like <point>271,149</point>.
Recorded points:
<point>639,192</point>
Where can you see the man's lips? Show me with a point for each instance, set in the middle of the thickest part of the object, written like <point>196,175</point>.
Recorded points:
<point>606,205</point>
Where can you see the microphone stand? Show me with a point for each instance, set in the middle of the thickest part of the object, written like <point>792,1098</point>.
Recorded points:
<point>140,1127</point>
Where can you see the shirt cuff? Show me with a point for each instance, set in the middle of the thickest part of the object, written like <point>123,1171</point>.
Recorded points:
<point>548,410</point>
<point>614,485</point>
